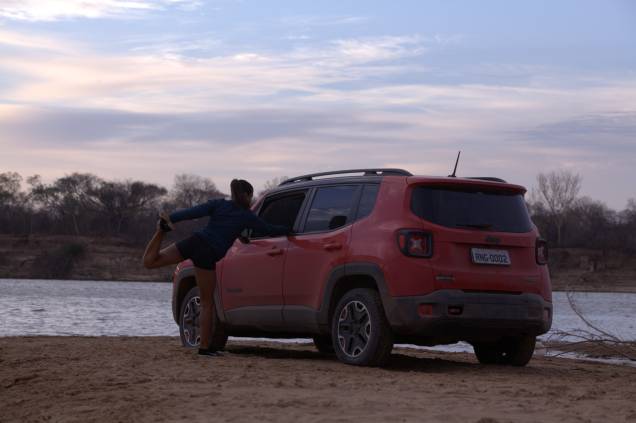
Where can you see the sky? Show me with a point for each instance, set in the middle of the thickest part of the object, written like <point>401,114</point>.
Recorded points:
<point>258,89</point>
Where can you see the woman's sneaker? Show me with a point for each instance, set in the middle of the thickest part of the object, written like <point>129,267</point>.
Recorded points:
<point>209,353</point>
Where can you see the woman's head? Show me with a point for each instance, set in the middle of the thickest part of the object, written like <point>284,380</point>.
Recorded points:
<point>242,192</point>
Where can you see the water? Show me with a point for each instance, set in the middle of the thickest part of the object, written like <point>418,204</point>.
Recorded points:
<point>47,307</point>
<point>94,308</point>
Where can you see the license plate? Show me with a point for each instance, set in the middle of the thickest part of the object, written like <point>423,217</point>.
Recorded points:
<point>488,256</point>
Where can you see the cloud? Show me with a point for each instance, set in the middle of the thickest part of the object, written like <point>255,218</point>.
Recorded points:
<point>66,127</point>
<point>154,81</point>
<point>307,22</point>
<point>52,10</point>
<point>342,103</point>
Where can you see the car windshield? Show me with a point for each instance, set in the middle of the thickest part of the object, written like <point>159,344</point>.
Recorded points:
<point>472,208</point>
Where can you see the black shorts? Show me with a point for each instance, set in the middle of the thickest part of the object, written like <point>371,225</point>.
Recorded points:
<point>197,250</point>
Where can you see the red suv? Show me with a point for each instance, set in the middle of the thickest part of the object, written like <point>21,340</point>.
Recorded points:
<point>380,256</point>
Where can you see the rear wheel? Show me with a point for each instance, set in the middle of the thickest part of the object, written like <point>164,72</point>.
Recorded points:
<point>189,327</point>
<point>510,351</point>
<point>360,331</point>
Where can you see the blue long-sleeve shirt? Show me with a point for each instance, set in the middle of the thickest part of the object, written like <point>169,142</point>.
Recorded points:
<point>227,221</point>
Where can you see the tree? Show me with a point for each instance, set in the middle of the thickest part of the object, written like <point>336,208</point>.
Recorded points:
<point>190,190</point>
<point>13,203</point>
<point>121,201</point>
<point>10,183</point>
<point>557,191</point>
<point>271,184</point>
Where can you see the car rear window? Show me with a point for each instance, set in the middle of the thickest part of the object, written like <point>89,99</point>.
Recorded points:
<point>472,208</point>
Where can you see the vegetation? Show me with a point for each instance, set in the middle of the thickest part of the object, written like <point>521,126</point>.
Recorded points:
<point>84,204</point>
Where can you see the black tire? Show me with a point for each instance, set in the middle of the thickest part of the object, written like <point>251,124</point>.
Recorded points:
<point>323,344</point>
<point>189,324</point>
<point>360,331</point>
<point>509,351</point>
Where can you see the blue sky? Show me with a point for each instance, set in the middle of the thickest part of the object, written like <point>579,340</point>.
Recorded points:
<point>259,89</point>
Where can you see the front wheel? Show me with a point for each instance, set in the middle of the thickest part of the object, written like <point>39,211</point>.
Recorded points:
<point>189,327</point>
<point>511,351</point>
<point>360,331</point>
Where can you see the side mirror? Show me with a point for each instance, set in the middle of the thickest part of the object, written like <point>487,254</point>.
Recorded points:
<point>337,221</point>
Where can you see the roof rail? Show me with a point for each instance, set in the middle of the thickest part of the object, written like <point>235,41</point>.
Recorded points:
<point>487,178</point>
<point>366,172</point>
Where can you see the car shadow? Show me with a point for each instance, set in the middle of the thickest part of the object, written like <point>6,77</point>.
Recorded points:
<point>398,362</point>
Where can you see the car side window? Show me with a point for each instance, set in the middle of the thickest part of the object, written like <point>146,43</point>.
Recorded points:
<point>367,200</point>
<point>280,210</point>
<point>331,208</point>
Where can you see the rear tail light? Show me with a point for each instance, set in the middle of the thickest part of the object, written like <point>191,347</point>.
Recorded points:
<point>541,251</point>
<point>415,243</point>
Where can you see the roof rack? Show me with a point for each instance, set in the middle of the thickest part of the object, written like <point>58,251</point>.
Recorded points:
<point>365,172</point>
<point>487,178</point>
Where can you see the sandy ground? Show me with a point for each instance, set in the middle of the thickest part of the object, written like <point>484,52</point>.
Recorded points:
<point>83,379</point>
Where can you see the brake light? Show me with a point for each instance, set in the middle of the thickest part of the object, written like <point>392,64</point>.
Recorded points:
<point>415,243</point>
<point>541,251</point>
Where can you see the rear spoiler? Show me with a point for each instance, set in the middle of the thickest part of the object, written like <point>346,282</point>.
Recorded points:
<point>486,182</point>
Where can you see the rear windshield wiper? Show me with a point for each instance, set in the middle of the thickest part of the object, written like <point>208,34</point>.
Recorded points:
<point>474,225</point>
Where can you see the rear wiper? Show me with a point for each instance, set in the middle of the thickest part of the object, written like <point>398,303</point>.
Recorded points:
<point>474,225</point>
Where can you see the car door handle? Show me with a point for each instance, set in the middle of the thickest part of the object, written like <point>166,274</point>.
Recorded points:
<point>275,251</point>
<point>331,246</point>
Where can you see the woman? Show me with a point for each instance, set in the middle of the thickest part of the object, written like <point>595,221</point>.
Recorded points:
<point>206,246</point>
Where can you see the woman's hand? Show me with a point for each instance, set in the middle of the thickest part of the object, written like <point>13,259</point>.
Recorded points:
<point>164,216</point>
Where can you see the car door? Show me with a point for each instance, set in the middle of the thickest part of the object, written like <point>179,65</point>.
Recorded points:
<point>252,274</point>
<point>321,244</point>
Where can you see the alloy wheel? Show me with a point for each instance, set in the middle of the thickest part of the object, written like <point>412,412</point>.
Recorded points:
<point>354,328</point>
<point>190,320</point>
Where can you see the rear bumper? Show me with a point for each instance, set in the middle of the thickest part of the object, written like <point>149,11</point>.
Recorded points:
<point>454,315</point>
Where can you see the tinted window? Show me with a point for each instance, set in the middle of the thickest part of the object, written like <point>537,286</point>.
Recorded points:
<point>468,208</point>
<point>331,208</point>
<point>280,211</point>
<point>367,200</point>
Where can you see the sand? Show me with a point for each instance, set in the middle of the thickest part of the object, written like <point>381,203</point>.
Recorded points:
<point>85,379</point>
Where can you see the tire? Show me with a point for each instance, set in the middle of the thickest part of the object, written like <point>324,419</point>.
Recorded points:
<point>189,324</point>
<point>508,351</point>
<point>359,329</point>
<point>323,344</point>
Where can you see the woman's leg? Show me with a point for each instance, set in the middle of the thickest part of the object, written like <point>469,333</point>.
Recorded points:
<point>154,257</point>
<point>206,281</point>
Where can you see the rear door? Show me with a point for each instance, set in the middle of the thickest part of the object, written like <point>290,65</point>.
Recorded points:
<point>321,244</point>
<point>252,274</point>
<point>483,238</point>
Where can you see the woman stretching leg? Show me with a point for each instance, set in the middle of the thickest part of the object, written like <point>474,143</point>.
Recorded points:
<point>228,218</point>
<point>205,279</point>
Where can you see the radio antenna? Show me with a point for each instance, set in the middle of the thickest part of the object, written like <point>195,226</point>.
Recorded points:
<point>455,169</point>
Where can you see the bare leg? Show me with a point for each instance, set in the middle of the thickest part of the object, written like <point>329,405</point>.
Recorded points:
<point>153,257</point>
<point>206,281</point>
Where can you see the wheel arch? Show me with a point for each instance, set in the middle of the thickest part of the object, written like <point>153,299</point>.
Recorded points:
<point>350,276</point>
<point>184,282</point>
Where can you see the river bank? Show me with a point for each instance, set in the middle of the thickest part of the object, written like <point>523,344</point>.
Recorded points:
<point>87,258</point>
<point>87,379</point>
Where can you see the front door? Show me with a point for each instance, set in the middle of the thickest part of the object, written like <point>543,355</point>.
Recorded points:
<point>251,279</point>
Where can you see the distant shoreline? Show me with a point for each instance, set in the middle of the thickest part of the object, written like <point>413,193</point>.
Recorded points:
<point>621,290</point>
<point>62,257</point>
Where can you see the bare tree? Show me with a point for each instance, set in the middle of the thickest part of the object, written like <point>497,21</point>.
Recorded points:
<point>190,190</point>
<point>9,188</point>
<point>271,184</point>
<point>557,191</point>
<point>121,201</point>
